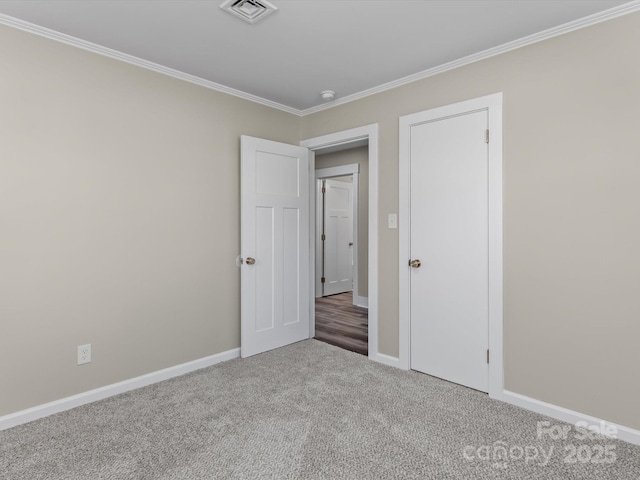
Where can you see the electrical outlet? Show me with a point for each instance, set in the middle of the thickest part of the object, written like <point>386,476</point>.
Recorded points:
<point>84,354</point>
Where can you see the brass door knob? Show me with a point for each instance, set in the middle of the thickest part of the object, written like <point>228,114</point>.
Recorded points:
<point>415,263</point>
<point>250,261</point>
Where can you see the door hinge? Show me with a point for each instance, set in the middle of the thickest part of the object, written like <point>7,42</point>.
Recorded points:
<point>322,280</point>
<point>323,237</point>
<point>487,355</point>
<point>324,190</point>
<point>487,135</point>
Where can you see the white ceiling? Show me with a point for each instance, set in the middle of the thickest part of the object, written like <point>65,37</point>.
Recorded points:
<point>307,46</point>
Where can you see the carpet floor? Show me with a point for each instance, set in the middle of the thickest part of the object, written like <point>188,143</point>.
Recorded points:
<point>307,411</point>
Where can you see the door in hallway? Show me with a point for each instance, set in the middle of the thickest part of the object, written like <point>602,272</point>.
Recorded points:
<point>338,237</point>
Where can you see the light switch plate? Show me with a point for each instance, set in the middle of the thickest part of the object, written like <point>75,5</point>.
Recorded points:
<point>393,220</point>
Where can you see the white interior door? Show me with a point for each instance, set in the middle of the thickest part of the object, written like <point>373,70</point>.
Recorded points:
<point>274,245</point>
<point>449,317</point>
<point>338,239</point>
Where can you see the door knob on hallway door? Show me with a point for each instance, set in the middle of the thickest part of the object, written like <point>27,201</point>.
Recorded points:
<point>250,261</point>
<point>415,263</point>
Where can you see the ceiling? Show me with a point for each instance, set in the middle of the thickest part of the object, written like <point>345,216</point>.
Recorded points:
<point>307,46</point>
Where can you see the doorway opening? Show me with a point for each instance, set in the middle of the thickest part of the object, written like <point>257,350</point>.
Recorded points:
<point>341,253</point>
<point>333,142</point>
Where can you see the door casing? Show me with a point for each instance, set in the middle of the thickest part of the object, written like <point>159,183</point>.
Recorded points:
<point>354,137</point>
<point>493,104</point>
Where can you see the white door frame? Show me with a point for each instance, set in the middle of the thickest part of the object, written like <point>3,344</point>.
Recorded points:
<point>352,170</point>
<point>493,104</point>
<point>347,137</point>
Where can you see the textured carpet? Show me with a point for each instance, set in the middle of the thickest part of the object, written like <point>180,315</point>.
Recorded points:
<point>306,411</point>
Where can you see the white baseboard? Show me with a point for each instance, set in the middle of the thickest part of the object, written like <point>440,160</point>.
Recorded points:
<point>361,301</point>
<point>44,410</point>
<point>385,359</point>
<point>563,414</point>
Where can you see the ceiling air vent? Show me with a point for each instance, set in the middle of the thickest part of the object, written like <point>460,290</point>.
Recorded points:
<point>249,10</point>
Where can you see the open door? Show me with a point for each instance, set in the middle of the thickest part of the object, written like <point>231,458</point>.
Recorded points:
<point>337,237</point>
<point>274,245</point>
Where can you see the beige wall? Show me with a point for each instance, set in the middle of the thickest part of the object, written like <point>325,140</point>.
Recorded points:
<point>360,156</point>
<point>571,209</point>
<point>119,209</point>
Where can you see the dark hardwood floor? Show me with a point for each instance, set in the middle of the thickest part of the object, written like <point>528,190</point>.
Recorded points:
<point>341,323</point>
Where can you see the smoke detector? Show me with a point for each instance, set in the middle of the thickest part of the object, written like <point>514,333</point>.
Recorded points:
<point>249,10</point>
<point>328,95</point>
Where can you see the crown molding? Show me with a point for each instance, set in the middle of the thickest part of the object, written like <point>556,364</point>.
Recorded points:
<point>624,9</point>
<point>124,57</point>
<point>578,24</point>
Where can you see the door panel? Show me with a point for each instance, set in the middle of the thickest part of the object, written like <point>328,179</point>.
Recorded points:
<point>291,273</point>
<point>449,234</point>
<point>275,233</point>
<point>264,250</point>
<point>338,261</point>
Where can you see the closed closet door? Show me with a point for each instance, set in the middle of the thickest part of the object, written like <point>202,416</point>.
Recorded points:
<point>449,307</point>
